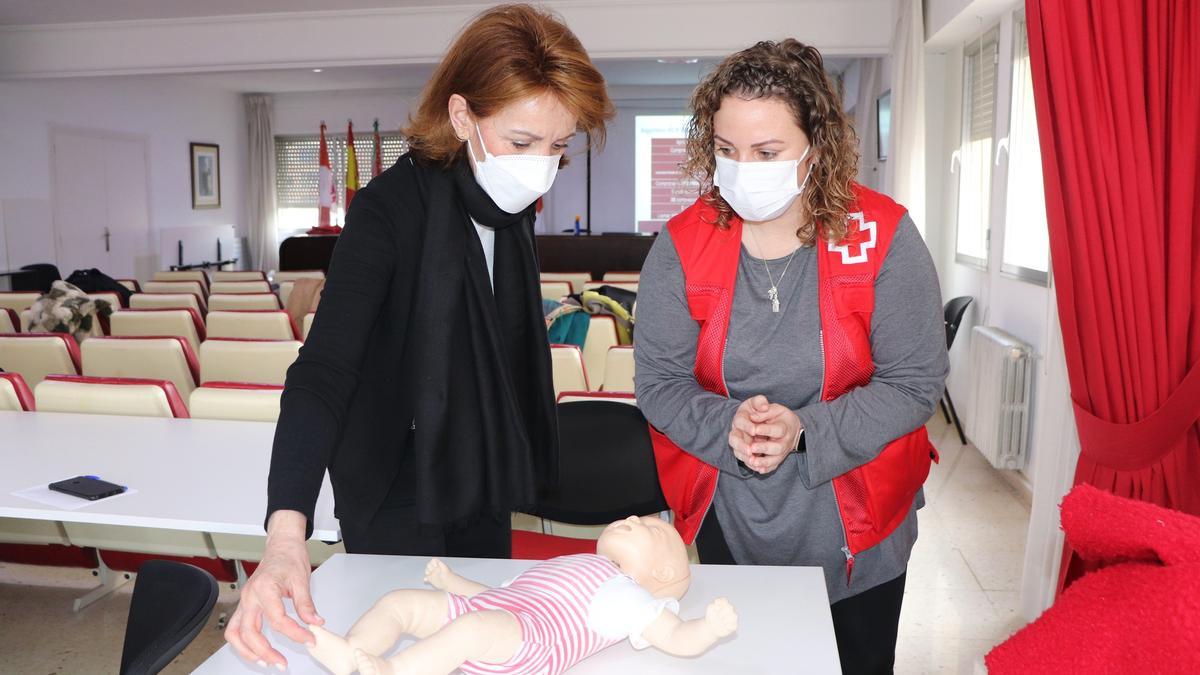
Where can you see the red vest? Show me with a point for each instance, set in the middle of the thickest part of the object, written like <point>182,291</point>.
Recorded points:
<point>872,499</point>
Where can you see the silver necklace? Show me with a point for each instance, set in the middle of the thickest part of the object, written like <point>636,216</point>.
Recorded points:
<point>773,292</point>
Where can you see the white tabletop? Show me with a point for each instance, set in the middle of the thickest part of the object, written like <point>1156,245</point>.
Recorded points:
<point>784,625</point>
<point>183,474</point>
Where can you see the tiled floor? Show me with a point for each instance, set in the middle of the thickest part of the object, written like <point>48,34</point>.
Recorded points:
<point>961,597</point>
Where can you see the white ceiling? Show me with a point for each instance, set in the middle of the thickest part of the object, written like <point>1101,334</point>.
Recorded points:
<point>32,12</point>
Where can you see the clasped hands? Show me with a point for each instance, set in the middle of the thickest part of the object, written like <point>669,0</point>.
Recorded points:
<point>763,434</point>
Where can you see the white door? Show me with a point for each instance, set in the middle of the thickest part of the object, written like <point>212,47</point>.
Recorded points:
<point>101,207</point>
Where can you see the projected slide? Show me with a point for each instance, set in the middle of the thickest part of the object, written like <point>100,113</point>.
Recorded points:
<point>660,190</point>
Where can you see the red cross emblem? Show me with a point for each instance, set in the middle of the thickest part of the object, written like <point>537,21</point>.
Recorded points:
<point>856,251</point>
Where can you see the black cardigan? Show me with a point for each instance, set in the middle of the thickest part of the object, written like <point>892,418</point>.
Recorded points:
<point>347,404</point>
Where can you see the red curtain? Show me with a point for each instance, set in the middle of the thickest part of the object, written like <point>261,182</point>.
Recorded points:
<point>1117,89</point>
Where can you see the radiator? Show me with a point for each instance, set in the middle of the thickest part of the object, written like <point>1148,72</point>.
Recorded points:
<point>999,401</point>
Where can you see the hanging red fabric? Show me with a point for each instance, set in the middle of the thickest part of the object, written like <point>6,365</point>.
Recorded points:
<point>1117,91</point>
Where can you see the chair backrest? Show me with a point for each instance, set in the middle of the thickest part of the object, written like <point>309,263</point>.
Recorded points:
<point>238,275</point>
<point>254,361</point>
<point>953,314</point>
<point>36,355</point>
<point>113,299</point>
<point>568,369</point>
<point>155,358</point>
<point>601,336</point>
<point>627,277</point>
<point>236,401</point>
<point>255,286</point>
<point>184,323</point>
<point>258,324</point>
<point>244,301</point>
<point>292,275</point>
<point>182,275</point>
<point>131,284</point>
<point>194,287</point>
<point>308,322</point>
<point>285,290</point>
<point>15,393</point>
<point>165,301</point>
<point>618,369</point>
<point>10,321</point>
<point>606,465</point>
<point>615,396</point>
<point>555,290</point>
<point>109,396</point>
<point>595,285</point>
<point>575,279</point>
<point>171,604</point>
<point>18,300</point>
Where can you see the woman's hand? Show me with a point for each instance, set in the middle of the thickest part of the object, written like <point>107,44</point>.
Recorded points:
<point>283,573</point>
<point>763,434</point>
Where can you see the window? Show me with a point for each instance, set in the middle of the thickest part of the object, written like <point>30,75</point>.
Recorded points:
<point>974,154</point>
<point>296,162</point>
<point>1026,240</point>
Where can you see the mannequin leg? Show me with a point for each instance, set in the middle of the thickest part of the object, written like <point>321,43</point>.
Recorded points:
<point>415,612</point>
<point>487,636</point>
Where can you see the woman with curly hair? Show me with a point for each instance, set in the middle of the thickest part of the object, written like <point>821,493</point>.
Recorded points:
<point>790,347</point>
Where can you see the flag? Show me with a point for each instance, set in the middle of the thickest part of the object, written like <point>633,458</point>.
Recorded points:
<point>377,167</point>
<point>326,194</point>
<point>351,165</point>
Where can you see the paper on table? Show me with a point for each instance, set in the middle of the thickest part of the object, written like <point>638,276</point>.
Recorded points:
<point>59,500</point>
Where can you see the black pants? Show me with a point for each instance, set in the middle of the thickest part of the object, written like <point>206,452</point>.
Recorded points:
<point>865,625</point>
<point>394,529</point>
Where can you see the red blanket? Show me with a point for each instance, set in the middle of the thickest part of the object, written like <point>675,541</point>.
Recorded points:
<point>1139,613</point>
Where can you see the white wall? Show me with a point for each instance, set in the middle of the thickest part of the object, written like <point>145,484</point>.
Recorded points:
<point>302,112</point>
<point>169,112</point>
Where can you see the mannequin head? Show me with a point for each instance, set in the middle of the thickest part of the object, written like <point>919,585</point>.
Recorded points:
<point>650,551</point>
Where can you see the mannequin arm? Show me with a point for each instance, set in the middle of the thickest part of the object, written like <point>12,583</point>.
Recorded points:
<point>438,575</point>
<point>691,638</point>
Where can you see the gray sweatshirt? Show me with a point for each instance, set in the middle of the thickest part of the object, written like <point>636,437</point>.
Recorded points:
<point>789,517</point>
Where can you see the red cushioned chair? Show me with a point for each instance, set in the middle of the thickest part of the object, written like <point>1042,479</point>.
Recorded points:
<point>14,393</point>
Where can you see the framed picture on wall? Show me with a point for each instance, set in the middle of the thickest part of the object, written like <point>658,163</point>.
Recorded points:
<point>206,175</point>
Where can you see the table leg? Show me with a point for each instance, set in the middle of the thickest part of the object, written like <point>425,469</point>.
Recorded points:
<point>110,581</point>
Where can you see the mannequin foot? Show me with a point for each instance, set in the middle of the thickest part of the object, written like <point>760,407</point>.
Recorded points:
<point>333,651</point>
<point>369,664</point>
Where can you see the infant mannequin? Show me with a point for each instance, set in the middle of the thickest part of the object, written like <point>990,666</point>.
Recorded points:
<point>550,617</point>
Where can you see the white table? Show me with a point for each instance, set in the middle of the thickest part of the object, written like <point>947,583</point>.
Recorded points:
<point>189,474</point>
<point>783,615</point>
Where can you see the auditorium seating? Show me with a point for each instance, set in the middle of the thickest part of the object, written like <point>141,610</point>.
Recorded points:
<point>555,290</point>
<point>260,324</point>
<point>183,275</point>
<point>156,358</point>
<point>109,396</point>
<point>601,335</point>
<point>626,277</point>
<point>595,285</point>
<point>244,301</point>
<point>14,393</point>
<point>618,369</point>
<point>308,322</point>
<point>165,301</point>
<point>177,287</point>
<point>18,300</point>
<point>254,361</point>
<point>292,275</point>
<point>237,275</point>
<point>285,290</point>
<point>131,284</point>
<point>113,299</point>
<point>256,286</point>
<point>36,355</point>
<point>575,279</point>
<point>10,321</point>
<point>184,323</point>
<point>569,371</point>
<point>616,396</point>
<point>236,401</point>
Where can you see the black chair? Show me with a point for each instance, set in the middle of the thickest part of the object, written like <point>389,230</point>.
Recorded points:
<point>171,603</point>
<point>606,473</point>
<point>36,277</point>
<point>952,314</point>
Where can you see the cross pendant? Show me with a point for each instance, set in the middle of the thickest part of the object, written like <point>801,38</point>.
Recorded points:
<point>773,294</point>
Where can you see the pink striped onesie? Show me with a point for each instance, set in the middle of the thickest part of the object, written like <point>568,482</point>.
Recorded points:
<point>551,601</point>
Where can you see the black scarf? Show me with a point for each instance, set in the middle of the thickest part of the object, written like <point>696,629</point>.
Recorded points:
<point>486,435</point>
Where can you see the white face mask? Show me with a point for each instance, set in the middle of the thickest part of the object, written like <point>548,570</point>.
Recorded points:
<point>514,181</point>
<point>759,191</point>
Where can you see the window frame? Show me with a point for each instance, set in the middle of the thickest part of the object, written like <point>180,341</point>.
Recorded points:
<point>988,36</point>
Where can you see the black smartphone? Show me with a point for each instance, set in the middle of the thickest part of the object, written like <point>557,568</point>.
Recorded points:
<point>87,487</point>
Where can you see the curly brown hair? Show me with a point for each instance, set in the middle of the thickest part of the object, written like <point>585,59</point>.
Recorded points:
<point>505,54</point>
<point>794,73</point>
